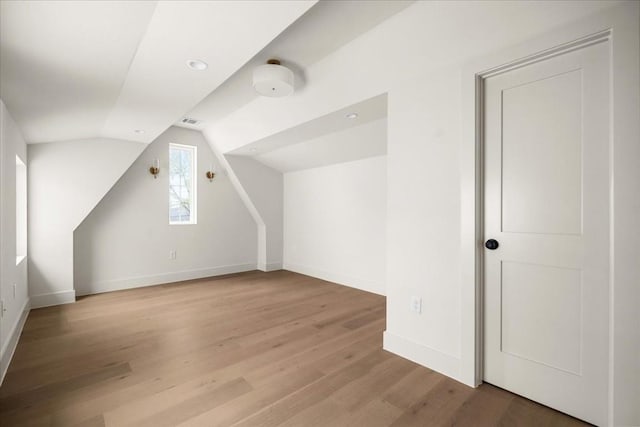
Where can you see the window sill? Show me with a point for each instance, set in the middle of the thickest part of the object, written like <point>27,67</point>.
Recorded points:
<point>19,259</point>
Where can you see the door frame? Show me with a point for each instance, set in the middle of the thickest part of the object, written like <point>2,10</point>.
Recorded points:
<point>479,143</point>
<point>618,27</point>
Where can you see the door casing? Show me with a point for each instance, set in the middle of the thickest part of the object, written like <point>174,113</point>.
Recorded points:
<point>480,78</point>
<point>615,21</point>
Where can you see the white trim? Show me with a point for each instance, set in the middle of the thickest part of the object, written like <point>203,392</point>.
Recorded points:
<point>21,198</point>
<point>193,218</point>
<point>273,266</point>
<point>472,190</point>
<point>55,298</point>
<point>421,354</point>
<point>339,278</point>
<point>470,235</point>
<point>621,22</point>
<point>158,279</point>
<point>9,347</point>
<point>624,363</point>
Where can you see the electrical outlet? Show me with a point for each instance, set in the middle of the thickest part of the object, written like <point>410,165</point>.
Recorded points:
<point>173,254</point>
<point>416,305</point>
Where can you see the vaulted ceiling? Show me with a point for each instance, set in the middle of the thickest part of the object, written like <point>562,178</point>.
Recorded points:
<point>84,69</point>
<point>321,31</point>
<point>71,70</point>
<point>354,132</point>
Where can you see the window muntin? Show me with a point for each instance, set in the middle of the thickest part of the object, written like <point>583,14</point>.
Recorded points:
<point>182,184</point>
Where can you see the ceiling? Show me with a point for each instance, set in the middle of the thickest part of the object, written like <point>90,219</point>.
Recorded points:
<point>354,143</point>
<point>322,30</point>
<point>83,69</point>
<point>337,137</point>
<point>62,64</point>
<point>334,138</point>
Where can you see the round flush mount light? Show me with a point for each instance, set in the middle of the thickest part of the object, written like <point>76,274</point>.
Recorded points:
<point>196,64</point>
<point>139,131</point>
<point>273,80</point>
<point>352,116</point>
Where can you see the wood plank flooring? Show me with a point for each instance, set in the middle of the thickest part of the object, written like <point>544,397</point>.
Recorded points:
<point>253,349</point>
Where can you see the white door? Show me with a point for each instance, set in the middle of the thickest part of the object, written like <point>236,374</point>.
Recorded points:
<point>546,203</point>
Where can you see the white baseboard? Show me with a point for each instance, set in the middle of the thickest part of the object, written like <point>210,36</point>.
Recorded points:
<point>341,279</point>
<point>158,279</point>
<point>272,266</point>
<point>11,342</point>
<point>55,298</point>
<point>422,355</point>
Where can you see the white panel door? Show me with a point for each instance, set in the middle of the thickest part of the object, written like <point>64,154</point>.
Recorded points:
<point>546,201</point>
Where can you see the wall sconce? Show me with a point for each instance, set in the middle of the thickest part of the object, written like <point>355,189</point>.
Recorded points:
<point>155,168</point>
<point>210,175</point>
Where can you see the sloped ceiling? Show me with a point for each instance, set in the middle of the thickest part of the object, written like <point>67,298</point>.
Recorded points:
<point>321,31</point>
<point>354,143</point>
<point>333,138</point>
<point>72,70</point>
<point>62,64</point>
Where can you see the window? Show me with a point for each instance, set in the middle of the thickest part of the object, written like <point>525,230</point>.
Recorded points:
<point>21,210</point>
<point>182,184</point>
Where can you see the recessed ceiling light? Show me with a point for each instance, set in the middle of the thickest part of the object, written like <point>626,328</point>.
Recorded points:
<point>352,116</point>
<point>139,131</point>
<point>196,64</point>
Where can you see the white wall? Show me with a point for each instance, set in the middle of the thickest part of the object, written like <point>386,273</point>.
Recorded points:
<point>125,241</point>
<point>424,217</point>
<point>335,223</point>
<point>66,180</point>
<point>426,36</point>
<point>625,289</point>
<point>263,185</point>
<point>417,56</point>
<point>423,81</point>
<point>16,305</point>
<point>357,142</point>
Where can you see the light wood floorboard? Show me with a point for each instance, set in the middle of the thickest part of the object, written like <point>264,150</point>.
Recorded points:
<point>252,349</point>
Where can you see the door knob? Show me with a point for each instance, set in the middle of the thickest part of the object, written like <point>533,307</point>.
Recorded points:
<point>492,244</point>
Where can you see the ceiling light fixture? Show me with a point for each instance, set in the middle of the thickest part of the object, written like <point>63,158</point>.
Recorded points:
<point>139,131</point>
<point>352,116</point>
<point>273,80</point>
<point>198,65</point>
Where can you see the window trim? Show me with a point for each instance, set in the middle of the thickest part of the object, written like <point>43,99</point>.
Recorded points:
<point>21,200</point>
<point>194,183</point>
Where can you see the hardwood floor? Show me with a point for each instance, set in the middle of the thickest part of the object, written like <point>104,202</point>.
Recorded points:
<point>253,349</point>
